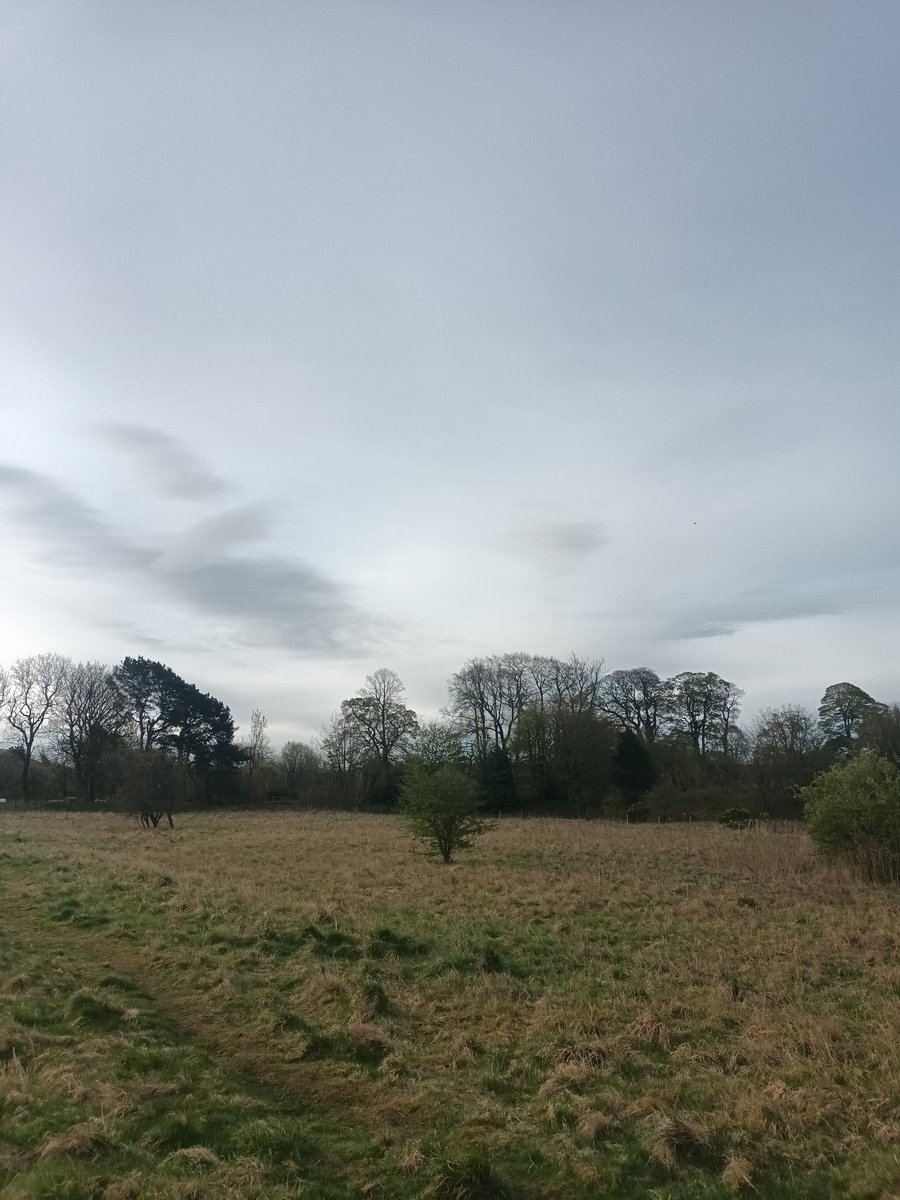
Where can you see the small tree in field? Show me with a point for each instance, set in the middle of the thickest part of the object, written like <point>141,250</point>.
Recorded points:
<point>156,785</point>
<point>853,811</point>
<point>441,809</point>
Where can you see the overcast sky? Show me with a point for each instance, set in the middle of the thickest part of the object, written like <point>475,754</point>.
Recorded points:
<point>338,335</point>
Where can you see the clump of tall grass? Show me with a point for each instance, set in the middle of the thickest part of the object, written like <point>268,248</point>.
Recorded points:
<point>470,1178</point>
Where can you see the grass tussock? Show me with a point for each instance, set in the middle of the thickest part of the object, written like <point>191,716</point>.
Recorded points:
<point>87,1140</point>
<point>89,1006</point>
<point>368,1036</point>
<point>593,1124</point>
<point>195,1156</point>
<point>676,1141</point>
<point>648,1029</point>
<point>565,1076</point>
<point>738,1173</point>
<point>469,1178</point>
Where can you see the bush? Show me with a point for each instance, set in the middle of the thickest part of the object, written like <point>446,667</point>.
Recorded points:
<point>853,812</point>
<point>441,809</point>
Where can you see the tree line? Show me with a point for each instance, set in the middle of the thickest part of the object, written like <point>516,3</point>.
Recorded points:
<point>136,732</point>
<point>534,734</point>
<point>540,734</point>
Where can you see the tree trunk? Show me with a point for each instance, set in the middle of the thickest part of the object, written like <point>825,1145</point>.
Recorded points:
<point>26,782</point>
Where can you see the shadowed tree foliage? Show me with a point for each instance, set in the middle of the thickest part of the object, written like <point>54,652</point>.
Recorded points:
<point>527,721</point>
<point>633,769</point>
<point>156,785</point>
<point>438,743</point>
<point>489,696</point>
<point>880,732</point>
<point>583,747</point>
<point>561,760</point>
<point>704,709</point>
<point>495,775</point>
<point>842,711</point>
<point>787,752</point>
<point>532,733</point>
<point>298,767</point>
<point>169,714</point>
<point>150,691</point>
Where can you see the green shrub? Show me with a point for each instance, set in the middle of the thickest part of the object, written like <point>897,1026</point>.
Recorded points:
<point>852,811</point>
<point>441,809</point>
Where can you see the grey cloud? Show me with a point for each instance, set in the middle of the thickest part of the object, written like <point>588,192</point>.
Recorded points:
<point>558,544</point>
<point>133,634</point>
<point>276,601</point>
<point>205,540</point>
<point>167,465</point>
<point>68,531</point>
<point>752,607</point>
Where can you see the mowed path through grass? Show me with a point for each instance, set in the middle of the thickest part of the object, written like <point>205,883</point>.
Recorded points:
<point>301,1005</point>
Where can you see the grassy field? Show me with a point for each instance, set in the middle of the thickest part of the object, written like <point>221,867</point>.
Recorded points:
<point>302,1005</point>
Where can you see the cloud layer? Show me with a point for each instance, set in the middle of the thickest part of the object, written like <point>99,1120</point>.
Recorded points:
<point>166,464</point>
<point>333,339</point>
<point>212,567</point>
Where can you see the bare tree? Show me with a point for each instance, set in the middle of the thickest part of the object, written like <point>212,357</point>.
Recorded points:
<point>636,699</point>
<point>577,684</point>
<point>488,696</point>
<point>787,753</point>
<point>299,765</point>
<point>257,747</point>
<point>90,715</point>
<point>34,684</point>
<point>789,730</point>
<point>344,756</point>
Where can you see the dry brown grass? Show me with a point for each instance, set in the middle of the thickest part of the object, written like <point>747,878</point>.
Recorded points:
<point>87,1140</point>
<point>679,1140</point>
<point>197,1156</point>
<point>593,1124</point>
<point>738,1173</point>
<point>721,998</point>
